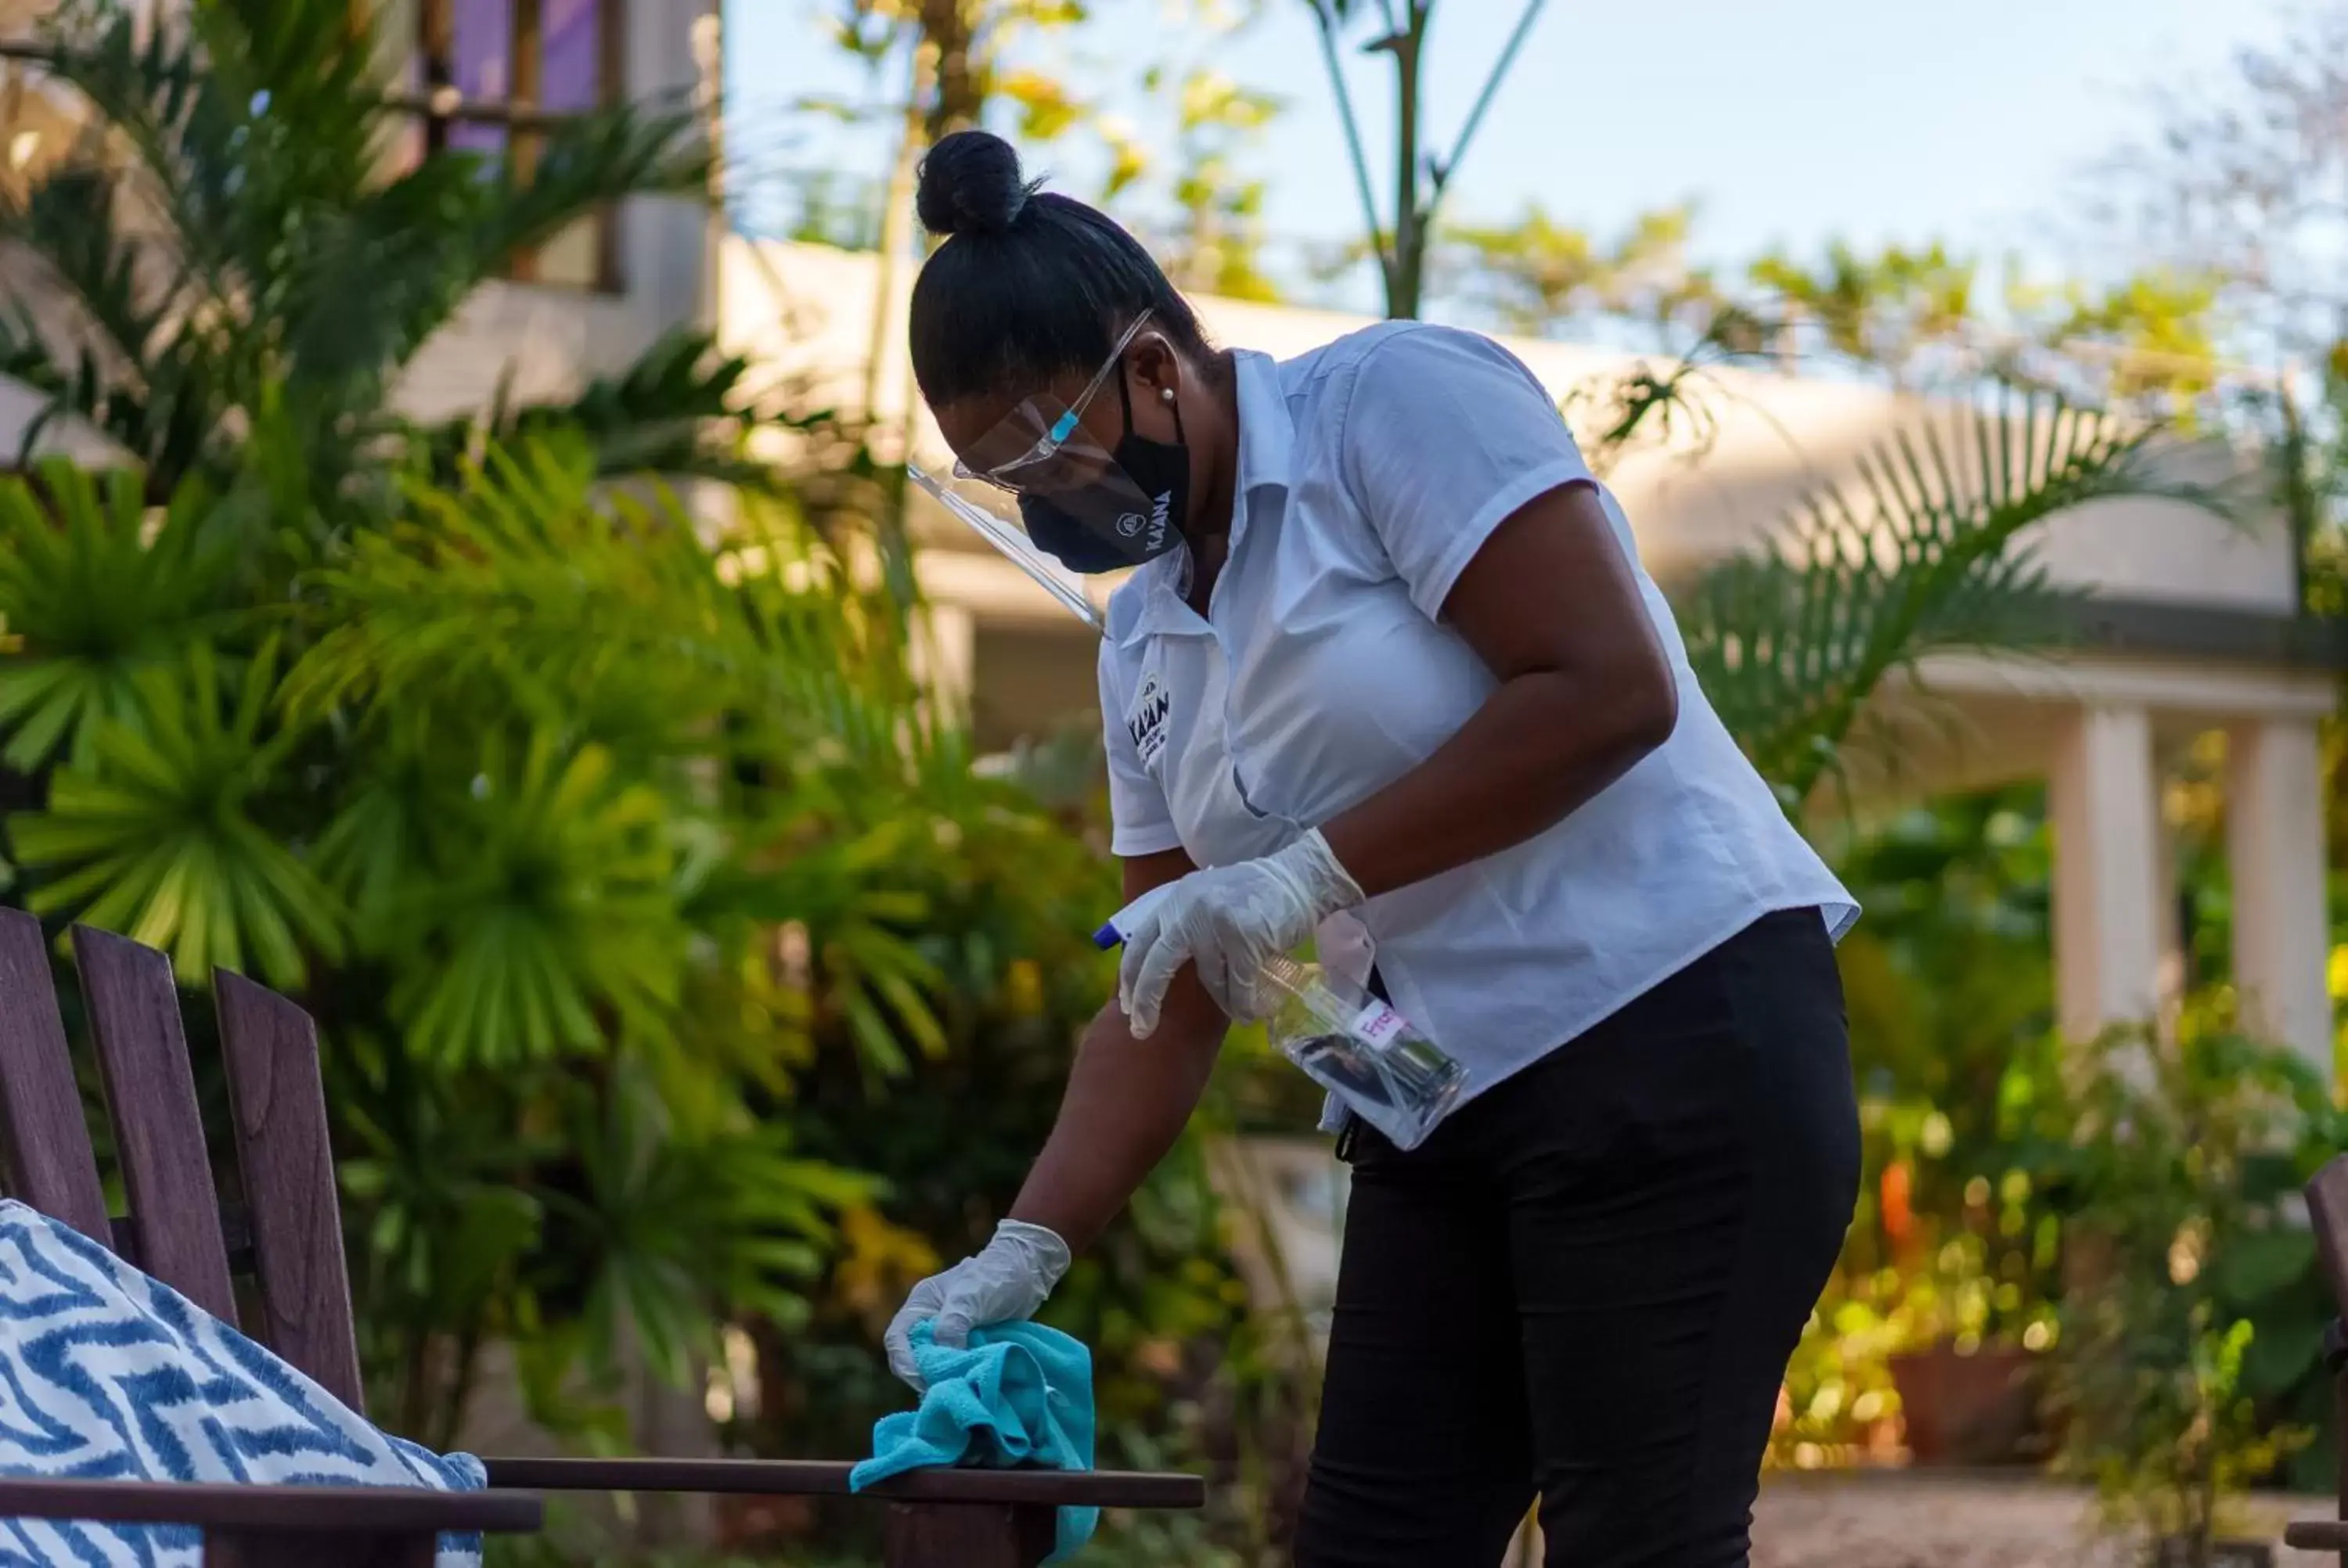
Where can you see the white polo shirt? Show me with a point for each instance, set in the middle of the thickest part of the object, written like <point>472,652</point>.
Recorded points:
<point>1370,472</point>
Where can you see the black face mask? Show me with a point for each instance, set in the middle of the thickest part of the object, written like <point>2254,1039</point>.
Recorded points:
<point>1161,469</point>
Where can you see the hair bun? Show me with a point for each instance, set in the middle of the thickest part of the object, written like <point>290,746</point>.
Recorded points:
<point>970,184</point>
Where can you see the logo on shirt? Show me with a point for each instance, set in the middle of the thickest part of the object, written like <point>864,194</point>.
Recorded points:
<point>1146,720</point>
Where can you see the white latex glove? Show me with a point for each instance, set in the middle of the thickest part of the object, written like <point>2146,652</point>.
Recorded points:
<point>1008,1280</point>
<point>1229,920</point>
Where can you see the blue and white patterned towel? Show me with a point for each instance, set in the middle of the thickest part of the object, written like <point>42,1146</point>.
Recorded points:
<point>107,1374</point>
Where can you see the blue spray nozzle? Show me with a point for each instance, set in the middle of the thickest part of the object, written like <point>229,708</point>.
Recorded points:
<point>1120,924</point>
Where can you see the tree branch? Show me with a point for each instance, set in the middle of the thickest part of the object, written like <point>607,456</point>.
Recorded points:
<point>1441,172</point>
<point>1326,25</point>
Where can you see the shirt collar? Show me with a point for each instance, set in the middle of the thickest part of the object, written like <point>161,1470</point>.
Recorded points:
<point>1267,434</point>
<point>1267,458</point>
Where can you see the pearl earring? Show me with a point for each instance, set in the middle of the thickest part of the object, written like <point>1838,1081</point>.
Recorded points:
<point>1166,393</point>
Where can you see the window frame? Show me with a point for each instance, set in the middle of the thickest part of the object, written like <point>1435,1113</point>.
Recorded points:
<point>441,106</point>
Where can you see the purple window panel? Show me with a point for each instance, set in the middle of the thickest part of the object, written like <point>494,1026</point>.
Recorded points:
<point>571,54</point>
<point>483,66</point>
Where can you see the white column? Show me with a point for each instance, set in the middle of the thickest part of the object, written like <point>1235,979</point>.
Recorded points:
<point>2109,903</point>
<point>2274,847</point>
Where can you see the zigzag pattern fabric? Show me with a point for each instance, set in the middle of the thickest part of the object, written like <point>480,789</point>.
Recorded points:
<point>106,1373</point>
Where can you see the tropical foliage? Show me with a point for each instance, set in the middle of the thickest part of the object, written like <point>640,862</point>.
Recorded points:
<point>511,778</point>
<point>629,884</point>
<point>2185,1305</point>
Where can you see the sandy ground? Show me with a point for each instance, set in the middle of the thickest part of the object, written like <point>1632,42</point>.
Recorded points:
<point>1897,1521</point>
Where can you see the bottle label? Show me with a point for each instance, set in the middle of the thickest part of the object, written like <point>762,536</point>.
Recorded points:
<point>1376,1024</point>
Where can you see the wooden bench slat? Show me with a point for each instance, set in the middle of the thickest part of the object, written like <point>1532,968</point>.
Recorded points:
<point>309,1510</point>
<point>2327,1214</point>
<point>278,1102</point>
<point>236,1230</point>
<point>815,1478</point>
<point>50,1165</point>
<point>150,1091</point>
<point>2316,1534</point>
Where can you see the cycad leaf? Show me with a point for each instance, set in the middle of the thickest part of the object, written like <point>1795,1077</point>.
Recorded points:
<point>154,835</point>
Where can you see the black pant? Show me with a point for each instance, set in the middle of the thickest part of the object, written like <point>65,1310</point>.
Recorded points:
<point>1585,1285</point>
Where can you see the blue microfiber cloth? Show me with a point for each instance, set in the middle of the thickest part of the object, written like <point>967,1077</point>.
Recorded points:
<point>1020,1395</point>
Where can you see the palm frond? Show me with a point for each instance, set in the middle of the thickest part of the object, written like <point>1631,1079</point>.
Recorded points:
<point>156,835</point>
<point>525,593</point>
<point>683,1227</point>
<point>119,350</point>
<point>424,241</point>
<point>1925,549</point>
<point>678,413</point>
<point>252,113</point>
<point>96,596</point>
<point>544,908</point>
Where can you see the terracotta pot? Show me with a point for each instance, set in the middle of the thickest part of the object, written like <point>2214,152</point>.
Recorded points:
<point>1976,1409</point>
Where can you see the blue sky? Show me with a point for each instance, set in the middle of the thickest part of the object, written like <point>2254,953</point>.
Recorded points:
<point>1789,121</point>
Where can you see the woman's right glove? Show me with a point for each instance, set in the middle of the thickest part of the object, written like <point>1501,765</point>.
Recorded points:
<point>1007,1281</point>
<point>1228,921</point>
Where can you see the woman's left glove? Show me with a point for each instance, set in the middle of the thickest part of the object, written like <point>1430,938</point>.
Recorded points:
<point>1229,920</point>
<point>1005,1282</point>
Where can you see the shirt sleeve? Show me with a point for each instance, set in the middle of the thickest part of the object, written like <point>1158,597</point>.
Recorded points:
<point>1140,820</point>
<point>1446,436</point>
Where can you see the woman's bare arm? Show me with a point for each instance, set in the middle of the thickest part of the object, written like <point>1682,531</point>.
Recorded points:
<point>1127,1099</point>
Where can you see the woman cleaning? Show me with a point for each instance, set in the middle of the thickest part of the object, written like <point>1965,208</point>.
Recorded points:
<point>1390,680</point>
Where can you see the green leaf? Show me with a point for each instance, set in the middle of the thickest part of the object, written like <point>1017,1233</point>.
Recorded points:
<point>97,597</point>
<point>154,835</point>
<point>2255,1265</point>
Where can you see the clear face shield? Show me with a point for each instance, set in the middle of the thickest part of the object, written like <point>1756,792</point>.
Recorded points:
<point>1041,489</point>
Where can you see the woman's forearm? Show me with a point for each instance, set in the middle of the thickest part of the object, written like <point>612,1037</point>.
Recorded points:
<point>1540,745</point>
<point>1127,1102</point>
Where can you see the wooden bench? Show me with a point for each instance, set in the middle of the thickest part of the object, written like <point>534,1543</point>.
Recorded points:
<point>288,1237</point>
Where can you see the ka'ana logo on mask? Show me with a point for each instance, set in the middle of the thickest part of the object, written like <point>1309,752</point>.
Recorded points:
<point>1146,720</point>
<point>1129,525</point>
<point>1157,519</point>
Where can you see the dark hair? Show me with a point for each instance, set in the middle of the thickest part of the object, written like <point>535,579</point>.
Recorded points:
<point>1028,283</point>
